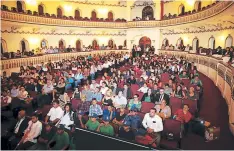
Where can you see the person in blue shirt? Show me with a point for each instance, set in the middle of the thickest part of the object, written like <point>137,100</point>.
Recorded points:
<point>109,112</point>
<point>134,119</point>
<point>69,82</point>
<point>97,94</point>
<point>78,77</point>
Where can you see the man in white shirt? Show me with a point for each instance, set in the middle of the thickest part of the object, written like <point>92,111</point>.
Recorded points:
<point>153,125</point>
<point>31,133</point>
<point>120,100</point>
<point>144,89</point>
<point>55,113</point>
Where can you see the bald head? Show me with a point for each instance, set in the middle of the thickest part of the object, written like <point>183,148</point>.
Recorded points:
<point>21,114</point>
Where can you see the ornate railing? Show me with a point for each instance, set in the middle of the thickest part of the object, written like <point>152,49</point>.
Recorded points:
<point>220,73</point>
<point>24,18</point>
<point>212,11</point>
<point>16,63</point>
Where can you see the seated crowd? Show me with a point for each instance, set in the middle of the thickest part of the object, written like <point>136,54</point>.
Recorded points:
<point>53,50</point>
<point>116,95</point>
<point>226,52</point>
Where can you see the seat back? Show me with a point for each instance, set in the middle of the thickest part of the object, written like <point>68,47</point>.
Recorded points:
<point>134,88</point>
<point>172,126</point>
<point>192,105</point>
<point>175,103</point>
<point>146,106</point>
<point>186,82</point>
<point>75,103</point>
<point>165,77</point>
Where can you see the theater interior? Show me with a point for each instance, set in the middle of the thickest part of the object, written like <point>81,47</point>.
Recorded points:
<point>117,74</point>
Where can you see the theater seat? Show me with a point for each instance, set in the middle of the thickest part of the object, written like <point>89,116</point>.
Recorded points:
<point>75,103</point>
<point>146,106</point>
<point>175,103</point>
<point>134,88</point>
<point>171,127</point>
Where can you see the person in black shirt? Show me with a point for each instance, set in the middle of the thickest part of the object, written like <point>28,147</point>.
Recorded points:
<point>125,131</point>
<point>131,80</point>
<point>117,121</point>
<point>46,135</point>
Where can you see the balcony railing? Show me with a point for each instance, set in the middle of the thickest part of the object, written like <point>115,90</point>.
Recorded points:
<point>24,18</point>
<point>16,63</point>
<point>212,11</point>
<point>209,12</point>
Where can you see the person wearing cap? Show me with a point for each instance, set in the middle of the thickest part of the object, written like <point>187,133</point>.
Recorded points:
<point>92,123</point>
<point>133,118</point>
<point>60,141</point>
<point>105,127</point>
<point>126,132</point>
<point>118,120</point>
<point>120,100</point>
<point>33,131</point>
<point>46,135</point>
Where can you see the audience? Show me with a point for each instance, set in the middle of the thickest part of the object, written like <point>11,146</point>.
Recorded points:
<point>113,107</point>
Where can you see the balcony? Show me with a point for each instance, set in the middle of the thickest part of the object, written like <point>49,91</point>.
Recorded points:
<point>11,65</point>
<point>204,14</point>
<point>43,20</point>
<point>70,22</point>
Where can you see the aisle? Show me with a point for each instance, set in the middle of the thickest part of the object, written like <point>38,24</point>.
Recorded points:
<point>215,110</point>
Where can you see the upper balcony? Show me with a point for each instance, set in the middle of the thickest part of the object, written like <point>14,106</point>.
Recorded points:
<point>118,23</point>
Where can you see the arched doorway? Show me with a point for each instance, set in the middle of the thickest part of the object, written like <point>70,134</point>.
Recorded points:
<point>147,11</point>
<point>93,15</point>
<point>94,44</point>
<point>228,41</point>
<point>59,13</point>
<point>181,9</point>
<point>3,46</point>
<point>19,5</point>
<point>125,43</point>
<point>180,42</point>
<point>23,46</point>
<point>111,43</point>
<point>197,5</point>
<point>40,10</point>
<point>61,44</point>
<point>211,43</point>
<point>144,42</point>
<point>196,45</point>
<point>78,45</point>
<point>77,14</point>
<point>165,42</point>
<point>110,16</point>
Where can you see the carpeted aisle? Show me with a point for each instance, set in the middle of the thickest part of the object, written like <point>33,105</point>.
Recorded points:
<point>215,110</point>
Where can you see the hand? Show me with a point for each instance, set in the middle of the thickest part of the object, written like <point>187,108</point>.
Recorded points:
<point>102,124</point>
<point>149,130</point>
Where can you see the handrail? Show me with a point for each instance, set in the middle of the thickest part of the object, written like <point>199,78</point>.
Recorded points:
<point>204,14</point>
<point>16,63</point>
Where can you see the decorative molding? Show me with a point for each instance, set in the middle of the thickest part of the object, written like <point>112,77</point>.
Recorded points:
<point>200,31</point>
<point>145,3</point>
<point>70,33</point>
<point>100,4</point>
